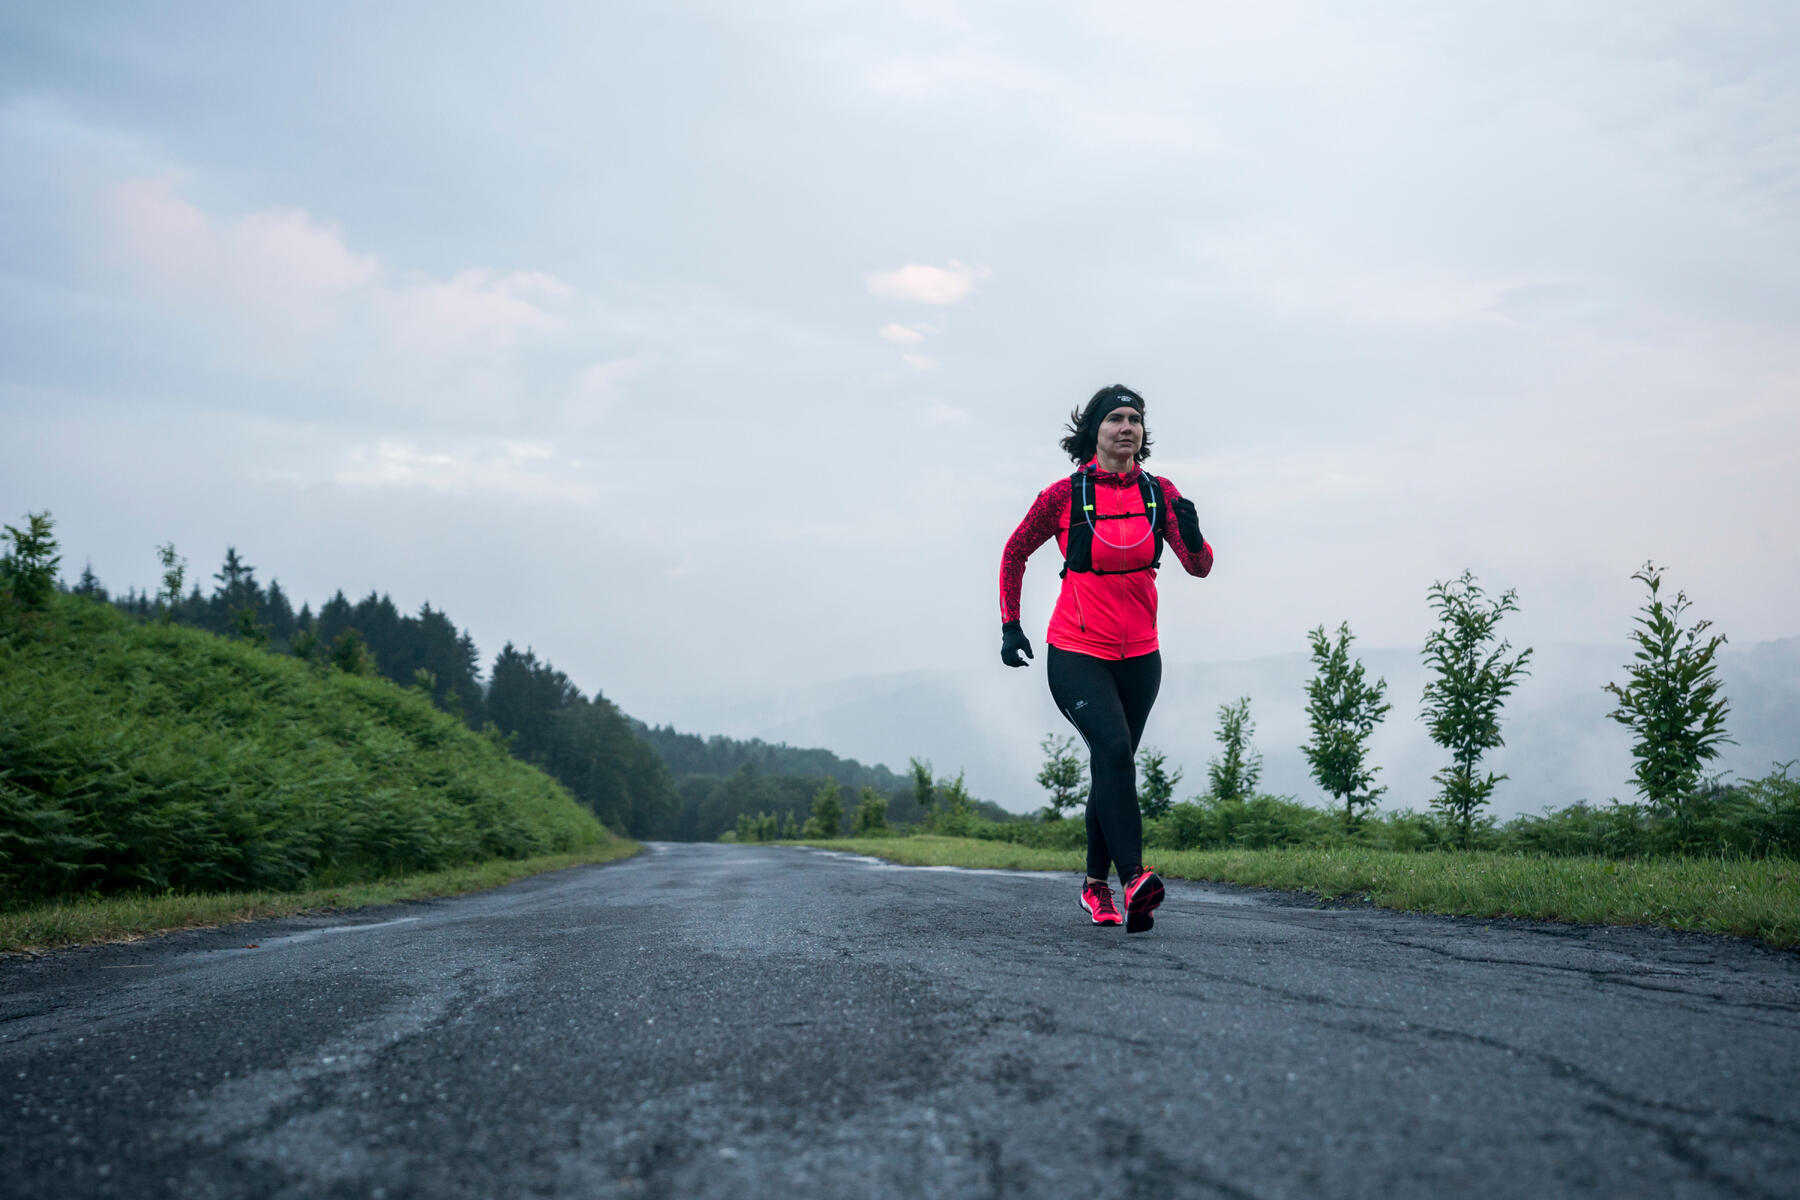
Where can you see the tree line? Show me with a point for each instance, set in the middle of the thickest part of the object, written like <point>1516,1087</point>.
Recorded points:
<point>1671,699</point>
<point>643,781</point>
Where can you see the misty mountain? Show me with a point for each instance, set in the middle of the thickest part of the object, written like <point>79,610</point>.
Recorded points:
<point>988,721</point>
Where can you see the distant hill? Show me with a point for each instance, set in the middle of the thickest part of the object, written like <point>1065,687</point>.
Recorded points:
<point>988,721</point>
<point>691,754</point>
<point>719,778</point>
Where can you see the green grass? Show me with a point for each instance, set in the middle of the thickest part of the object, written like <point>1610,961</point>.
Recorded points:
<point>1757,898</point>
<point>143,758</point>
<point>127,918</point>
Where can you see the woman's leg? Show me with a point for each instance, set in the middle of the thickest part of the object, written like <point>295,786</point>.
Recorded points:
<point>1087,692</point>
<point>1138,681</point>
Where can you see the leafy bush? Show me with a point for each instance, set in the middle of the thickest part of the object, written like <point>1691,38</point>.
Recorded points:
<point>1258,821</point>
<point>1754,818</point>
<point>871,813</point>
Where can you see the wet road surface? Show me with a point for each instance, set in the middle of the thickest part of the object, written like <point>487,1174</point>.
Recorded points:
<point>725,1021</point>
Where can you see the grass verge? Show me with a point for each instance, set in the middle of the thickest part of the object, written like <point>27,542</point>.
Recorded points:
<point>1757,898</point>
<point>127,918</point>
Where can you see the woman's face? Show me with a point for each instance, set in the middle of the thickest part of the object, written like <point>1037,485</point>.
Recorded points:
<point>1121,432</point>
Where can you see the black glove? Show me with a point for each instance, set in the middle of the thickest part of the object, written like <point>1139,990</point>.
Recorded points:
<point>1013,640</point>
<point>1188,522</point>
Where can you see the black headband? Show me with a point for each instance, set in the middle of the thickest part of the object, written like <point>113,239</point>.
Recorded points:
<point>1125,400</point>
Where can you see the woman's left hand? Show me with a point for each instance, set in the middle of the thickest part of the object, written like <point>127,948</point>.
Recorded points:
<point>1187,521</point>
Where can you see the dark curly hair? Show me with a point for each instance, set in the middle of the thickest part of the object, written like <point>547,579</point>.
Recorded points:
<point>1084,422</point>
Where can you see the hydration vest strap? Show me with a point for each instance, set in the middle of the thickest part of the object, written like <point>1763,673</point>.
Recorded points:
<point>1083,514</point>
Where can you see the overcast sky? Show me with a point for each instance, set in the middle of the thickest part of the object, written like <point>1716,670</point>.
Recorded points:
<point>711,346</point>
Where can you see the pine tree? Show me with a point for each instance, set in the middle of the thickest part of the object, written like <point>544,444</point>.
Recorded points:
<point>278,614</point>
<point>1461,705</point>
<point>236,592</point>
<point>1232,776</point>
<point>1063,775</point>
<point>89,584</point>
<point>1672,700</point>
<point>1343,710</point>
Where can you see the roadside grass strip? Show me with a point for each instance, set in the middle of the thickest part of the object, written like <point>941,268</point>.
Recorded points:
<point>64,923</point>
<point>1746,897</point>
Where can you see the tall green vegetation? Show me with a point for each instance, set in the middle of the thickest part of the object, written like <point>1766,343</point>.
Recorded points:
<point>153,757</point>
<point>1343,709</point>
<point>585,743</point>
<point>1156,785</point>
<point>827,818</point>
<point>954,812</point>
<point>871,814</point>
<point>28,569</point>
<point>1473,675</point>
<point>1063,775</point>
<point>1672,701</point>
<point>1232,776</point>
<point>924,791</point>
<point>174,574</point>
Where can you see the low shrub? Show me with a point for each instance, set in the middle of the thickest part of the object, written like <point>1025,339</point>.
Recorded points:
<point>1752,818</point>
<point>1255,823</point>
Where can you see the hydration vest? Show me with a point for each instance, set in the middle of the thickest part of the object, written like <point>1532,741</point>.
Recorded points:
<point>1083,513</point>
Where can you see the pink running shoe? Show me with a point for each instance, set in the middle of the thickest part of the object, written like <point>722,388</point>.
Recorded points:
<point>1096,899</point>
<point>1142,895</point>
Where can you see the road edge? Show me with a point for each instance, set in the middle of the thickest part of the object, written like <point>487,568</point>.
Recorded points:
<point>46,928</point>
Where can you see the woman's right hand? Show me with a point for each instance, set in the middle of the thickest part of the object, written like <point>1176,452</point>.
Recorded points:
<point>1013,640</point>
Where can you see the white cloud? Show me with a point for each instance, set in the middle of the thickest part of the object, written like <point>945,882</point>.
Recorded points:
<point>940,413</point>
<point>905,335</point>
<point>297,274</point>
<point>280,263</point>
<point>597,388</point>
<point>475,311</point>
<point>922,283</point>
<point>917,361</point>
<point>526,470</point>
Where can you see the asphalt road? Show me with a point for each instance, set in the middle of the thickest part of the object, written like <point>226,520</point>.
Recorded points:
<point>740,1021</point>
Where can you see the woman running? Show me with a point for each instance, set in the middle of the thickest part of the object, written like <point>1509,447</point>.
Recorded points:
<point>1110,520</point>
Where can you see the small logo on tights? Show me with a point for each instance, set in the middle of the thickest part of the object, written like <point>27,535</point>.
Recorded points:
<point>1081,704</point>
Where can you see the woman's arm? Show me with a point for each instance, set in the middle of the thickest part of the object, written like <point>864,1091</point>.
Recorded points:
<point>1038,527</point>
<point>1198,562</point>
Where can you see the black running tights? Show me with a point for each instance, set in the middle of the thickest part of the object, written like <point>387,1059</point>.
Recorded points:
<point>1108,701</point>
